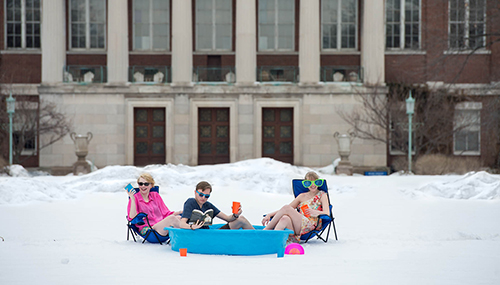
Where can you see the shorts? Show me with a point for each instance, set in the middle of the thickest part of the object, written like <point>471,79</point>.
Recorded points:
<point>225,227</point>
<point>145,230</point>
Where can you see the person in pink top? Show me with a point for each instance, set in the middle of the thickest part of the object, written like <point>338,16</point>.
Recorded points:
<point>151,204</point>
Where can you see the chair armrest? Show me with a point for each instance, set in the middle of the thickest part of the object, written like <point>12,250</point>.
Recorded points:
<point>139,219</point>
<point>325,218</point>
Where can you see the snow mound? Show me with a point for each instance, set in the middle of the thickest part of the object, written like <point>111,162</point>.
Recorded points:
<point>20,190</point>
<point>262,175</point>
<point>473,185</point>
<point>17,170</point>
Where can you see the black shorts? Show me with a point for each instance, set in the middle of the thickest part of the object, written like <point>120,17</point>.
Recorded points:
<point>225,227</point>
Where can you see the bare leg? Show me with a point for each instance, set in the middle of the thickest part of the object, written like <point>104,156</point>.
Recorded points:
<point>170,221</point>
<point>284,222</point>
<point>241,222</point>
<point>295,218</point>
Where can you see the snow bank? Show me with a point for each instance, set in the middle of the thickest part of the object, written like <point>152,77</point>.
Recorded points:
<point>20,190</point>
<point>263,175</point>
<point>259,175</point>
<point>473,185</point>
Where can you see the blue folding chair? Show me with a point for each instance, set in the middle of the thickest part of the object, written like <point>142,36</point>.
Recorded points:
<point>327,221</point>
<point>140,219</point>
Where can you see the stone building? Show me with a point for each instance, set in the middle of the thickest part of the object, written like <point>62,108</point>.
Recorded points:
<point>215,81</point>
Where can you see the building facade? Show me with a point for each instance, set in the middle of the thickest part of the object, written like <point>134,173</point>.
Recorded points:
<point>217,81</point>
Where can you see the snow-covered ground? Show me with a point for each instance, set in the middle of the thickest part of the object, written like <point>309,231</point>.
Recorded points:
<point>394,229</point>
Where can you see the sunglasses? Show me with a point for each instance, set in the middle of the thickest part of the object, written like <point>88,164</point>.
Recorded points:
<point>203,195</point>
<point>143,183</point>
<point>309,183</point>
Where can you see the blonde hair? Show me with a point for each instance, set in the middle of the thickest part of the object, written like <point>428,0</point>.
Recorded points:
<point>312,175</point>
<point>147,177</point>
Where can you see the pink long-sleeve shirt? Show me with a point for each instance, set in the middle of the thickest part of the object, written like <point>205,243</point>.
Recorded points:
<point>155,208</point>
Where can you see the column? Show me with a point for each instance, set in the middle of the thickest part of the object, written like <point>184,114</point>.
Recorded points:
<point>117,57</point>
<point>246,42</point>
<point>373,42</point>
<point>309,42</point>
<point>53,41</point>
<point>182,43</point>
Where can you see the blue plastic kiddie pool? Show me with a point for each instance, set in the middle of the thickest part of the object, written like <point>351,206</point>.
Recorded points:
<point>230,242</point>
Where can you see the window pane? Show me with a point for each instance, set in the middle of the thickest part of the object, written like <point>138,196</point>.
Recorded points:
<point>204,24</point>
<point>276,15</point>
<point>204,38</point>
<point>339,14</point>
<point>78,11</point>
<point>286,148</point>
<point>266,38</point>
<point>473,141</point>
<point>348,11</point>
<point>213,24</point>
<point>205,148</point>
<point>285,37</point>
<point>158,148</point>
<point>267,11</point>
<point>222,148</point>
<point>329,11</point>
<point>96,11</point>
<point>268,148</point>
<point>96,23</point>
<point>268,132</point>
<point>223,37</point>
<point>14,24</point>
<point>161,5</point>
<point>476,36</point>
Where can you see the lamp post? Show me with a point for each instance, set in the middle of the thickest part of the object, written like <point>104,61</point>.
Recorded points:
<point>11,109</point>
<point>410,109</point>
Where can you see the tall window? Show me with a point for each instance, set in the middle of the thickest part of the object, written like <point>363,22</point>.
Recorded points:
<point>338,24</point>
<point>88,24</point>
<point>214,25</point>
<point>276,24</point>
<point>402,23</point>
<point>151,24</point>
<point>467,24</point>
<point>23,23</point>
<point>467,128</point>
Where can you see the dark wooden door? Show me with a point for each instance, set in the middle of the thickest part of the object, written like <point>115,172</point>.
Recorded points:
<point>213,135</point>
<point>277,134</point>
<point>149,136</point>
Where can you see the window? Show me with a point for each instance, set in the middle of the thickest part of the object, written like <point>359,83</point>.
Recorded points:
<point>25,126</point>
<point>276,25</point>
<point>339,24</point>
<point>88,24</point>
<point>214,25</point>
<point>467,25</point>
<point>467,123</point>
<point>23,23</point>
<point>398,137</point>
<point>402,24</point>
<point>26,141</point>
<point>151,24</point>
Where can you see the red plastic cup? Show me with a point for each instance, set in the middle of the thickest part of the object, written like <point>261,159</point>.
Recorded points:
<point>304,208</point>
<point>236,207</point>
<point>183,251</point>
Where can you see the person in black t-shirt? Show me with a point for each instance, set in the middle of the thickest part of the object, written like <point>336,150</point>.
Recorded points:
<point>200,202</point>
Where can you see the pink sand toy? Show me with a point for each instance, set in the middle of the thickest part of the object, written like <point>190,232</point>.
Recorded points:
<point>294,248</point>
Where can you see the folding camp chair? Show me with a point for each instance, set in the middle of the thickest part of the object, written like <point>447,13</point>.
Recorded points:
<point>140,219</point>
<point>326,220</point>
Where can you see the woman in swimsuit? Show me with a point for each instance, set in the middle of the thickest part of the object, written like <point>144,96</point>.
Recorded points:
<point>292,216</point>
